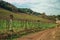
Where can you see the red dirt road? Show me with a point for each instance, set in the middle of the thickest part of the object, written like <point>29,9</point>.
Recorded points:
<point>50,34</point>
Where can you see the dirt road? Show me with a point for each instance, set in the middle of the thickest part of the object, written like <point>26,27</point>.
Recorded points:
<point>50,34</point>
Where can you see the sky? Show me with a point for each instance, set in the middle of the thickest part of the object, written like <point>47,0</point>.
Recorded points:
<point>50,7</point>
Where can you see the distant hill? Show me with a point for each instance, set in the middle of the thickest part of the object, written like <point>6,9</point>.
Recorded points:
<point>27,11</point>
<point>10,7</point>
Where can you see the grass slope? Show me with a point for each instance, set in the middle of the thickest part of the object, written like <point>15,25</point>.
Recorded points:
<point>5,14</point>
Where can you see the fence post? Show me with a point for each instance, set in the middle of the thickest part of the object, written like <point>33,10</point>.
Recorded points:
<point>10,23</point>
<point>24,24</point>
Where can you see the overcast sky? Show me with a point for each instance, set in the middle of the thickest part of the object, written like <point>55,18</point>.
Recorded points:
<point>50,7</point>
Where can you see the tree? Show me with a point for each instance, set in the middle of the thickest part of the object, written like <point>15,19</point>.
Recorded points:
<point>1,0</point>
<point>58,16</point>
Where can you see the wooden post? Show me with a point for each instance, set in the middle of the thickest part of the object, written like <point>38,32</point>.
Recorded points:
<point>10,23</point>
<point>32,24</point>
<point>27,24</point>
<point>24,24</point>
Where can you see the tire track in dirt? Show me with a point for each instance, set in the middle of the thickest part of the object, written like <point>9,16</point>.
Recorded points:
<point>32,36</point>
<point>42,35</point>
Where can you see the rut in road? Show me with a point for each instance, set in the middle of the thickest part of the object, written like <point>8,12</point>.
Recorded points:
<point>50,34</point>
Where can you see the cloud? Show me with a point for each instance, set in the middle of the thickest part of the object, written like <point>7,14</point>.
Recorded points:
<point>21,1</point>
<point>48,6</point>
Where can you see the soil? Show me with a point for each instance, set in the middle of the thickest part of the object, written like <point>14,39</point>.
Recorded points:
<point>49,34</point>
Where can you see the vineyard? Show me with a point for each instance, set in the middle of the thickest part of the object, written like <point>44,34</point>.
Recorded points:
<point>20,28</point>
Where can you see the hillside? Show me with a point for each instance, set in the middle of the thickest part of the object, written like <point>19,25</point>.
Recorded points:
<point>8,6</point>
<point>5,14</point>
